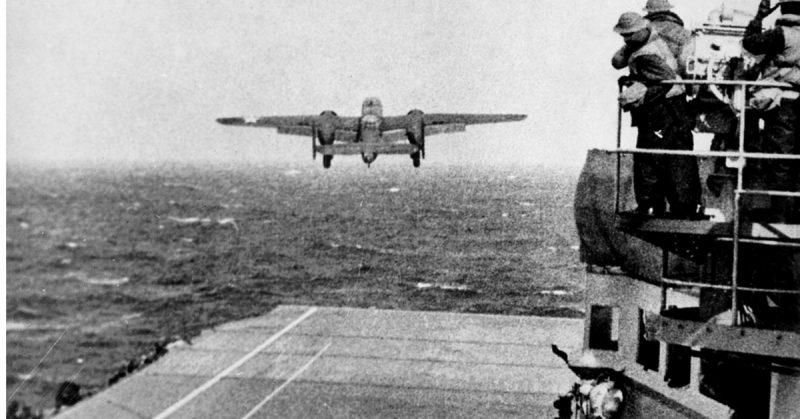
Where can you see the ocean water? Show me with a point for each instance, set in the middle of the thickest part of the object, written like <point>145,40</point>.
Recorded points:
<point>104,261</point>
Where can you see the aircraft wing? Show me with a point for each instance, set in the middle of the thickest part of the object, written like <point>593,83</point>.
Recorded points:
<point>292,125</point>
<point>270,121</point>
<point>440,123</point>
<point>469,119</point>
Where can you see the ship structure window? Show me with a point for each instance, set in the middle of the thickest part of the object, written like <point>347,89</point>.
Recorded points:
<point>732,380</point>
<point>679,366</point>
<point>648,350</point>
<point>604,328</point>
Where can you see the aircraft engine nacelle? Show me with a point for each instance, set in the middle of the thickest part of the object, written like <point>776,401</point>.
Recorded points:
<point>416,131</point>
<point>325,131</point>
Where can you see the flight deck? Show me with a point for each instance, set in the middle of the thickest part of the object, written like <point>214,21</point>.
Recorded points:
<point>301,361</point>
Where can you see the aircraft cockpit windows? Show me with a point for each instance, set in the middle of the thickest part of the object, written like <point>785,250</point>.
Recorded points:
<point>371,122</point>
<point>372,106</point>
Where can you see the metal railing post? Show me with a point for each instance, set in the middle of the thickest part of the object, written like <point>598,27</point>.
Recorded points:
<point>737,202</point>
<point>619,158</point>
<point>664,276</point>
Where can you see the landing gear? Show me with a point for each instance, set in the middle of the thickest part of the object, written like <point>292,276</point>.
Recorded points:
<point>415,158</point>
<point>326,161</point>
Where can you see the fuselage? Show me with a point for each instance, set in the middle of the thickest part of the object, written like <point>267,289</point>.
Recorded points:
<point>369,129</point>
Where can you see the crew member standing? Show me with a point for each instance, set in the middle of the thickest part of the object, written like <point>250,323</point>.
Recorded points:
<point>659,111</point>
<point>668,25</point>
<point>781,48</point>
<point>779,110</point>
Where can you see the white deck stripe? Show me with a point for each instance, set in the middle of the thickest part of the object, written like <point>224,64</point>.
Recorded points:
<point>289,380</point>
<point>172,409</point>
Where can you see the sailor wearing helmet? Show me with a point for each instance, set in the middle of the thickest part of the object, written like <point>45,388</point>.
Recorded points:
<point>660,113</point>
<point>781,47</point>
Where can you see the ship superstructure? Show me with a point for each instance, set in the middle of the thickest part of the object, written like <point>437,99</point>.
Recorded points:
<point>700,318</point>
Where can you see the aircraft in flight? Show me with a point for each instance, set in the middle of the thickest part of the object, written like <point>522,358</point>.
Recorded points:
<point>371,133</point>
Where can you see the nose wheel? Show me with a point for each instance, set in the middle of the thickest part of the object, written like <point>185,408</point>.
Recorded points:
<point>326,161</point>
<point>415,159</point>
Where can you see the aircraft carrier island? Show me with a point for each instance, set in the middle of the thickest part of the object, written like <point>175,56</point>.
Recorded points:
<point>695,316</point>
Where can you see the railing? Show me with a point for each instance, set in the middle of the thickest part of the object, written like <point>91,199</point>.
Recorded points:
<point>741,157</point>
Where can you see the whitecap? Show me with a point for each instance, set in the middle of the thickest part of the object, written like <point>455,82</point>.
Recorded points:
<point>12,325</point>
<point>106,281</point>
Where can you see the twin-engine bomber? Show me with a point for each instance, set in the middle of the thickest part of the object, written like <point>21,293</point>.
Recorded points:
<point>371,133</point>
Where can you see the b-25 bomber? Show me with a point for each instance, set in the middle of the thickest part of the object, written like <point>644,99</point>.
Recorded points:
<point>371,133</point>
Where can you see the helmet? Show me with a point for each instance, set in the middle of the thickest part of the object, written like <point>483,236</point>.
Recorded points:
<point>630,22</point>
<point>653,6</point>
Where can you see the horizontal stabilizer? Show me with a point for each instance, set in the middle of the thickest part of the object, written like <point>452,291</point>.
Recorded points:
<point>358,148</point>
<point>394,148</point>
<point>444,128</point>
<point>345,136</point>
<point>295,130</point>
<point>394,136</point>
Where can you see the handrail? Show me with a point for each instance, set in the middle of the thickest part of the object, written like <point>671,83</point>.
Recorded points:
<point>768,192</point>
<point>693,284</point>
<point>763,242</point>
<point>667,152</point>
<point>739,191</point>
<point>758,83</point>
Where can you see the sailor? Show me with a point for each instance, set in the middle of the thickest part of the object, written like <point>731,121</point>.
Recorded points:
<point>669,26</point>
<point>779,107</point>
<point>660,113</point>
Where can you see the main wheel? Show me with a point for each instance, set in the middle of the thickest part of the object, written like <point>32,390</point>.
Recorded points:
<point>326,161</point>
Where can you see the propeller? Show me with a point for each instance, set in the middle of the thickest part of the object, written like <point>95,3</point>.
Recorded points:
<point>313,142</point>
<point>417,130</point>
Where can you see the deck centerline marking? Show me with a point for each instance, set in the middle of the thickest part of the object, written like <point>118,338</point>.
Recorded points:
<point>186,399</point>
<point>286,383</point>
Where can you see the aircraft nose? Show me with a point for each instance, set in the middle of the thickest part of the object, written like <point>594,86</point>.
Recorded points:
<point>369,157</point>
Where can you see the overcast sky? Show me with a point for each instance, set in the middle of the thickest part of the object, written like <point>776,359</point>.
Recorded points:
<point>145,79</point>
